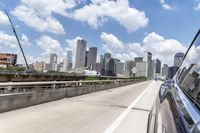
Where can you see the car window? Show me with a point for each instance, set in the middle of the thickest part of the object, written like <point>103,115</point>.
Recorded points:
<point>188,76</point>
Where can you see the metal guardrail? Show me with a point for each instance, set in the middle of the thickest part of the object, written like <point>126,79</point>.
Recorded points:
<point>20,87</point>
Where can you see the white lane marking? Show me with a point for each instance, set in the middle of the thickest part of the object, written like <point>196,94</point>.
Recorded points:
<point>115,124</point>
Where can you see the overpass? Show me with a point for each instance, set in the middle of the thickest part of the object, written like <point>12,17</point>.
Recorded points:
<point>24,76</point>
<point>121,109</point>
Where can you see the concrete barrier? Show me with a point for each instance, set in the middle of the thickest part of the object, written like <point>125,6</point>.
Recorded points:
<point>14,101</point>
<point>17,101</point>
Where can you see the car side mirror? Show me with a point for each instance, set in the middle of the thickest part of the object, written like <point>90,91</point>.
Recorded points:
<point>163,91</point>
<point>196,128</point>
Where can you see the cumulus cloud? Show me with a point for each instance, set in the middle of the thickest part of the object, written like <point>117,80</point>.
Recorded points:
<point>3,18</point>
<point>165,5</point>
<point>111,43</point>
<point>100,11</point>
<point>50,45</point>
<point>32,18</point>
<point>197,7</point>
<point>8,44</point>
<point>161,48</point>
<point>37,12</point>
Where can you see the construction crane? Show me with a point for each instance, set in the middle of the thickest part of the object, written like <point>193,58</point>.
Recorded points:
<point>18,40</point>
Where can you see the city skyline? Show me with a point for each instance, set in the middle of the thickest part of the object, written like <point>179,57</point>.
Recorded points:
<point>111,33</point>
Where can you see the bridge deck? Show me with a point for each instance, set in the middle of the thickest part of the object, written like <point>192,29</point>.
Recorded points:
<point>123,109</point>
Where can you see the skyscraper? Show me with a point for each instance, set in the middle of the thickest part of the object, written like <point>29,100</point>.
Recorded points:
<point>119,67</point>
<point>69,58</point>
<point>158,66</point>
<point>127,68</point>
<point>107,55</point>
<point>148,60</point>
<point>52,62</point>
<point>65,64</point>
<point>86,58</point>
<point>53,58</point>
<point>165,71</point>
<point>80,53</point>
<point>39,66</point>
<point>92,57</point>
<point>108,66</point>
<point>178,58</point>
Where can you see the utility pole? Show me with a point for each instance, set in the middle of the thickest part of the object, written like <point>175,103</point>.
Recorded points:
<point>18,40</point>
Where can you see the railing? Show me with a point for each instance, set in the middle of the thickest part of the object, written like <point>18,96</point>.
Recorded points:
<point>24,87</point>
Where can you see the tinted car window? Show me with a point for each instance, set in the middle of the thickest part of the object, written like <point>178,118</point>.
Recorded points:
<point>188,76</point>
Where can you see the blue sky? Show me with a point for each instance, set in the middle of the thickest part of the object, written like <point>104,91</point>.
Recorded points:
<point>124,28</point>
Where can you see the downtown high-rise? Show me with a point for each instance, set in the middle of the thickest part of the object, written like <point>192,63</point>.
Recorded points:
<point>80,53</point>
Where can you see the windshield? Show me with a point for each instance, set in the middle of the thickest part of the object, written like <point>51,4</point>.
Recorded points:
<point>188,75</point>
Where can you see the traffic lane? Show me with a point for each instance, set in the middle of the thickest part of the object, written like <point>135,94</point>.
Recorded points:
<point>137,119</point>
<point>87,113</point>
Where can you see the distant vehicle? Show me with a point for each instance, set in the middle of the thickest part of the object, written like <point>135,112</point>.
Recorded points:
<point>177,107</point>
<point>91,73</point>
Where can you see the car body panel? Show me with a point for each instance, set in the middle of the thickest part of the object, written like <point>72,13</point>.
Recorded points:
<point>176,109</point>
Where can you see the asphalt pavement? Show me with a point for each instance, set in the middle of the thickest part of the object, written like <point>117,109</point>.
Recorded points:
<point>119,110</point>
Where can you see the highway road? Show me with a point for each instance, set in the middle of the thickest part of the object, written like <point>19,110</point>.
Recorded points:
<point>119,110</point>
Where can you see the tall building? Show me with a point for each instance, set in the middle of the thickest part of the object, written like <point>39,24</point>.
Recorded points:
<point>69,58</point>
<point>105,63</point>
<point>172,71</point>
<point>165,71</point>
<point>158,66</point>
<point>39,66</point>
<point>153,68</point>
<point>92,57</point>
<point>101,62</point>
<point>80,53</point>
<point>127,68</point>
<point>148,60</point>
<point>52,62</point>
<point>119,67</point>
<point>109,65</point>
<point>107,55</point>
<point>178,58</point>
<point>53,58</point>
<point>97,67</point>
<point>86,58</point>
<point>64,65</point>
<point>138,59</point>
<point>140,69</point>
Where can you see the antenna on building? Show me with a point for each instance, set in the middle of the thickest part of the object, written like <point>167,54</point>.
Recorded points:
<point>17,40</point>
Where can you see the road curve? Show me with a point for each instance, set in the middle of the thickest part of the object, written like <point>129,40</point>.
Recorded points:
<point>119,110</point>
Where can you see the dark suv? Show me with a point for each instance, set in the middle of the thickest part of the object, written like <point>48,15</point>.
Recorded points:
<point>177,107</point>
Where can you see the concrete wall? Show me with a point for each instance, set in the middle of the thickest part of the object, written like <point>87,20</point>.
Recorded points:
<point>16,101</point>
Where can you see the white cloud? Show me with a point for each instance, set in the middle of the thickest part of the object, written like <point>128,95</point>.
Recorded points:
<point>165,5</point>
<point>161,48</point>
<point>118,49</point>
<point>197,7</point>
<point>25,40</point>
<point>37,12</point>
<point>32,18</point>
<point>8,44</point>
<point>111,43</point>
<point>3,18</point>
<point>99,11</point>
<point>9,41</point>
<point>50,45</point>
